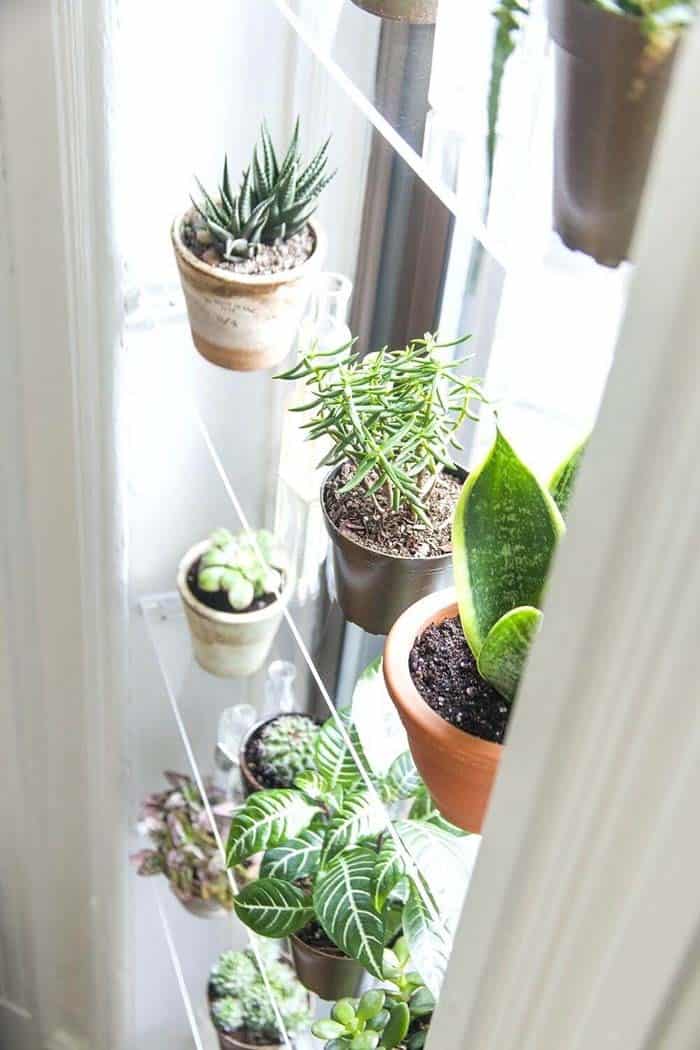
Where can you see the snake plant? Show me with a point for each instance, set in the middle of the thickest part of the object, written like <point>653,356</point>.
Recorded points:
<point>275,200</point>
<point>506,528</point>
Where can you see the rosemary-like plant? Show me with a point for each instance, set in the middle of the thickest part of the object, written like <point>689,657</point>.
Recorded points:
<point>393,415</point>
<point>275,199</point>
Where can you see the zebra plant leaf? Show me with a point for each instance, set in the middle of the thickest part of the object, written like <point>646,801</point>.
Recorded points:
<point>273,907</point>
<point>506,649</point>
<point>389,870</point>
<point>334,759</point>
<point>268,819</point>
<point>563,479</point>
<point>505,530</point>
<point>403,779</point>
<point>294,859</point>
<point>343,904</point>
<point>360,814</point>
<point>428,940</point>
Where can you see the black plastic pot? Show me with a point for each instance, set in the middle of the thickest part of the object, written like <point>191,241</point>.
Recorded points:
<point>248,778</point>
<point>328,973</point>
<point>373,589</point>
<point>610,91</point>
<point>415,12</point>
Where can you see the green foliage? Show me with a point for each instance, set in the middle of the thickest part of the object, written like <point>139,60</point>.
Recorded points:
<point>510,15</point>
<point>505,531</point>
<point>273,907</point>
<point>268,819</point>
<point>561,484</point>
<point>393,415</point>
<point>342,901</point>
<point>274,201</point>
<point>660,20</point>
<point>287,746</point>
<point>241,999</point>
<point>242,566</point>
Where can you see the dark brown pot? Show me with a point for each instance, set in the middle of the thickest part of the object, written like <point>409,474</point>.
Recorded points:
<point>458,769</point>
<point>610,91</point>
<point>415,12</point>
<point>250,781</point>
<point>374,589</point>
<point>330,974</point>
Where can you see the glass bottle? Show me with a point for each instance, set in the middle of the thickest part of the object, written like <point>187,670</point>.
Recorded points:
<point>279,688</point>
<point>234,723</point>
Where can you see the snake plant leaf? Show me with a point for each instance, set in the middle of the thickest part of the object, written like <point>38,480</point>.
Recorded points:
<point>361,814</point>
<point>389,870</point>
<point>342,899</point>
<point>295,859</point>
<point>403,779</point>
<point>267,820</point>
<point>429,941</point>
<point>563,479</point>
<point>505,530</point>
<point>506,649</point>
<point>334,759</point>
<point>273,907</point>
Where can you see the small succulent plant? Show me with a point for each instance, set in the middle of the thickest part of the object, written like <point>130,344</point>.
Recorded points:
<point>241,1000</point>
<point>185,850</point>
<point>275,199</point>
<point>242,566</point>
<point>287,746</point>
<point>396,1015</point>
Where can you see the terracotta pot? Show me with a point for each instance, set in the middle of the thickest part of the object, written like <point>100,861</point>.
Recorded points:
<point>245,322</point>
<point>458,768</point>
<point>610,92</point>
<point>230,645</point>
<point>373,589</point>
<point>417,12</point>
<point>328,973</point>
<point>250,781</point>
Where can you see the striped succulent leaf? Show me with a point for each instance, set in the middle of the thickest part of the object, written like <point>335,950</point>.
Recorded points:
<point>295,859</point>
<point>361,814</point>
<point>273,907</point>
<point>268,819</point>
<point>343,904</point>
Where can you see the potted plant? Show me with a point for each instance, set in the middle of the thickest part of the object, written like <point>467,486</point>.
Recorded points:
<point>331,877</point>
<point>240,1005</point>
<point>415,12</point>
<point>397,1014</point>
<point>274,752</point>
<point>614,60</point>
<point>452,662</point>
<point>248,258</point>
<point>184,846</point>
<point>234,591</point>
<point>391,420</point>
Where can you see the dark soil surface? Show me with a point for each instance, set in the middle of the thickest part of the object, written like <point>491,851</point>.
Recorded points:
<point>314,934</point>
<point>269,258</point>
<point>376,527</point>
<point>245,1035</point>
<point>444,673</point>
<point>219,599</point>
<point>264,774</point>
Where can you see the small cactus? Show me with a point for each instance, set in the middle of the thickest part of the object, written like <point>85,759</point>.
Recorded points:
<point>287,747</point>
<point>243,566</point>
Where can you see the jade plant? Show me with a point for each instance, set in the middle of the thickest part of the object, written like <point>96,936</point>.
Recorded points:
<point>241,1000</point>
<point>395,1015</point>
<point>241,566</point>
<point>287,747</point>
<point>275,200</point>
<point>506,528</point>
<point>329,856</point>
<point>184,847</point>
<point>393,415</point>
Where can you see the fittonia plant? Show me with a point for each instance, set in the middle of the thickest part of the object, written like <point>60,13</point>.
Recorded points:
<point>287,746</point>
<point>506,528</point>
<point>274,201</point>
<point>242,566</point>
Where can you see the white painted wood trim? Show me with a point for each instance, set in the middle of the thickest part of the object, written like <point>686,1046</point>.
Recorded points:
<point>582,921</point>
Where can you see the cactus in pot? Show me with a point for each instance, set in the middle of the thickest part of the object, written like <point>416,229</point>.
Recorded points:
<point>277,751</point>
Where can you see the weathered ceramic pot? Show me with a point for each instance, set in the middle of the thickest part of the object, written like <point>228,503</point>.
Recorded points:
<point>458,768</point>
<point>372,588</point>
<point>245,322</point>
<point>330,974</point>
<point>417,12</point>
<point>229,645</point>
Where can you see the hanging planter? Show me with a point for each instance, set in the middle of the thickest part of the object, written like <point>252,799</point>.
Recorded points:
<point>233,600</point>
<point>452,662</point>
<point>248,259</point>
<point>416,12</point>
<point>612,74</point>
<point>274,752</point>
<point>390,420</point>
<point>325,970</point>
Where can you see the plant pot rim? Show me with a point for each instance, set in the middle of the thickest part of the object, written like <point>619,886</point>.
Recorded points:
<point>236,1039</point>
<point>436,607</point>
<point>326,953</point>
<point>215,615</point>
<point>339,537</point>
<point>242,760</point>
<point>595,12</point>
<point>249,280</point>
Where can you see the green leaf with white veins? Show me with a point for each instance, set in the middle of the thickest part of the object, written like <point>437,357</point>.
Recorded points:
<point>334,758</point>
<point>429,941</point>
<point>267,819</point>
<point>403,779</point>
<point>273,907</point>
<point>506,649</point>
<point>389,869</point>
<point>361,814</point>
<point>294,859</point>
<point>342,900</point>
